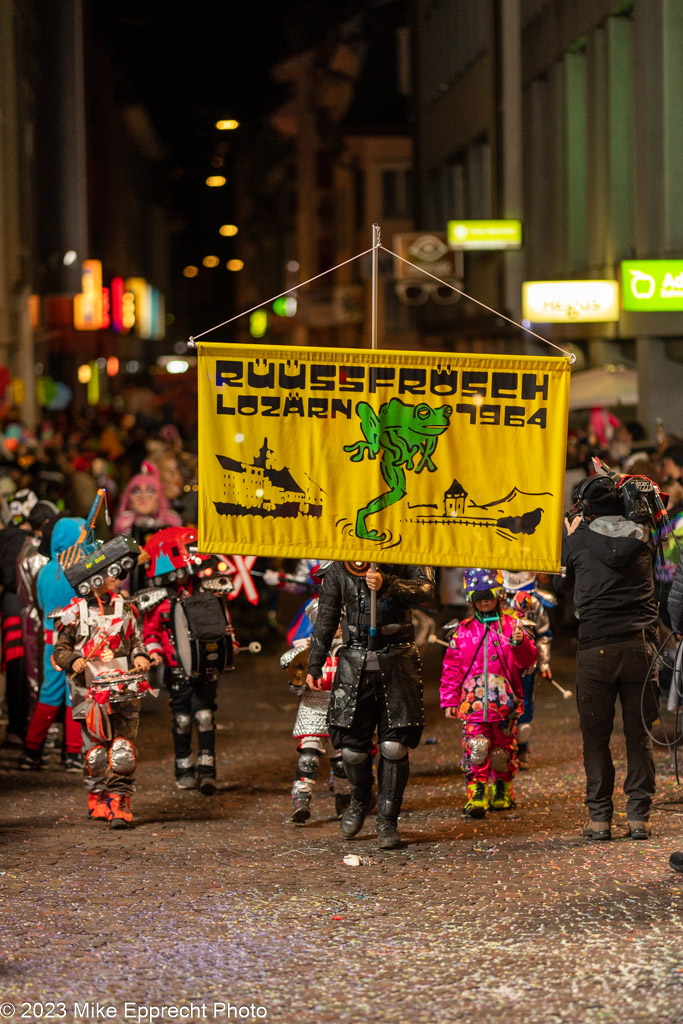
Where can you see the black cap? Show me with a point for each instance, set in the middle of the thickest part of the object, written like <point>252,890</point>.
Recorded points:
<point>602,496</point>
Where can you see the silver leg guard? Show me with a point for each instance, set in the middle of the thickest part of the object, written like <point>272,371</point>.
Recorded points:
<point>500,759</point>
<point>204,720</point>
<point>122,758</point>
<point>478,749</point>
<point>182,723</point>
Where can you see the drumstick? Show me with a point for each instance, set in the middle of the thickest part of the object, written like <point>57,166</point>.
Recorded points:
<point>567,694</point>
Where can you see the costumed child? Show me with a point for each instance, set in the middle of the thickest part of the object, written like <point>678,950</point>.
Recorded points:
<point>481,684</point>
<point>187,628</point>
<point>54,592</point>
<point>100,647</point>
<point>531,604</point>
<point>144,509</point>
<point>310,727</point>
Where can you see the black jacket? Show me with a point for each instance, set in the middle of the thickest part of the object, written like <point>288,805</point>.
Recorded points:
<point>675,604</point>
<point>403,586</point>
<point>610,564</point>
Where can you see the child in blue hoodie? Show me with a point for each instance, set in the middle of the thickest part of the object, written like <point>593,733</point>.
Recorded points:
<point>54,591</point>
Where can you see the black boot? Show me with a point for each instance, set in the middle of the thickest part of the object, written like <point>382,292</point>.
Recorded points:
<point>358,769</point>
<point>392,777</point>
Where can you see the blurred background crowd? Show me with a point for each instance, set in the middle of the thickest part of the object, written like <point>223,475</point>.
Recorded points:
<point>148,467</point>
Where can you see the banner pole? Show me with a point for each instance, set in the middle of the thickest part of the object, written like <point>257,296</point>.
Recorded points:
<point>376,242</point>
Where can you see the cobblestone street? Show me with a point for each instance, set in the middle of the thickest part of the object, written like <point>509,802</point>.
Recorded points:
<point>223,909</point>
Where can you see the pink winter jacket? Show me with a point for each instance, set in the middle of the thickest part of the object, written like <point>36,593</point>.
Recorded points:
<point>463,682</point>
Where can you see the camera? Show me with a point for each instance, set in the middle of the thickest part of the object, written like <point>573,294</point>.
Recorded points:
<point>641,498</point>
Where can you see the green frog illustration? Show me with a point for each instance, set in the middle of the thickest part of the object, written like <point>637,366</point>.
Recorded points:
<point>400,432</point>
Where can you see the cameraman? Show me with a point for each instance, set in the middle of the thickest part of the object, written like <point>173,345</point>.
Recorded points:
<point>676,614</point>
<point>609,562</point>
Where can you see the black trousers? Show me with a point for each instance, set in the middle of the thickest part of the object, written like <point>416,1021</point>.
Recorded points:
<point>188,698</point>
<point>371,713</point>
<point>604,674</point>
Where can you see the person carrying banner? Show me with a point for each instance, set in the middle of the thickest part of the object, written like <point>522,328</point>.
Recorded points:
<point>481,684</point>
<point>378,684</point>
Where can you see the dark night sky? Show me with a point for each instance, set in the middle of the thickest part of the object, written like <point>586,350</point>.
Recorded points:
<point>191,62</point>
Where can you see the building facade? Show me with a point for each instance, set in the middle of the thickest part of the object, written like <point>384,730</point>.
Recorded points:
<point>566,117</point>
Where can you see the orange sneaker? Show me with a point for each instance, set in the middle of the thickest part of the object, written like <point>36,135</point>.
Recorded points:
<point>120,815</point>
<point>98,806</point>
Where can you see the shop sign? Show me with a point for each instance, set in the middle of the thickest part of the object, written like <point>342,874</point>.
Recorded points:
<point>484,234</point>
<point>655,285</point>
<point>124,305</point>
<point>568,302</point>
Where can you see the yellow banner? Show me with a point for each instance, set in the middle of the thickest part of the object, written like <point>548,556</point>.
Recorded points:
<point>382,456</point>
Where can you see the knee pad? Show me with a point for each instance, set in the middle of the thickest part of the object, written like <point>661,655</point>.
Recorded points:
<point>392,750</point>
<point>354,756</point>
<point>308,763</point>
<point>337,766</point>
<point>122,758</point>
<point>204,720</point>
<point>500,759</point>
<point>478,749</point>
<point>523,732</point>
<point>182,722</point>
<point>96,761</point>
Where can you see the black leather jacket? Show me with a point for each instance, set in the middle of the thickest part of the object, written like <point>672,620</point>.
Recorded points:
<point>403,587</point>
<point>675,603</point>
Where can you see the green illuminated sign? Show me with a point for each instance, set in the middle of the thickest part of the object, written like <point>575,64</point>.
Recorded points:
<point>652,285</point>
<point>258,323</point>
<point>484,234</point>
<point>285,306</point>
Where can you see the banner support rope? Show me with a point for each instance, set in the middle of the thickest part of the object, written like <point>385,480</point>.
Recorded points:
<point>192,341</point>
<point>376,246</point>
<point>447,284</point>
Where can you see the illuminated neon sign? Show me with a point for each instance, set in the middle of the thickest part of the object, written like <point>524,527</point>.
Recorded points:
<point>125,305</point>
<point>655,285</point>
<point>567,302</point>
<point>484,234</point>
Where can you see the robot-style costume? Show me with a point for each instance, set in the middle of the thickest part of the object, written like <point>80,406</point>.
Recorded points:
<point>482,678</point>
<point>101,628</point>
<point>188,627</point>
<point>310,726</point>
<point>378,688</point>
<point>54,592</point>
<point>525,599</point>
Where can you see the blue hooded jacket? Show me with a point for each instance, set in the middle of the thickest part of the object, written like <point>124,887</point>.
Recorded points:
<point>55,591</point>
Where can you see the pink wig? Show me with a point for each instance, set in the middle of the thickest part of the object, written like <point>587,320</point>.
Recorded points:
<point>149,477</point>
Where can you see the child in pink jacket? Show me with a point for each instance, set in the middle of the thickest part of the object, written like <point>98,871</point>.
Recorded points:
<point>481,684</point>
